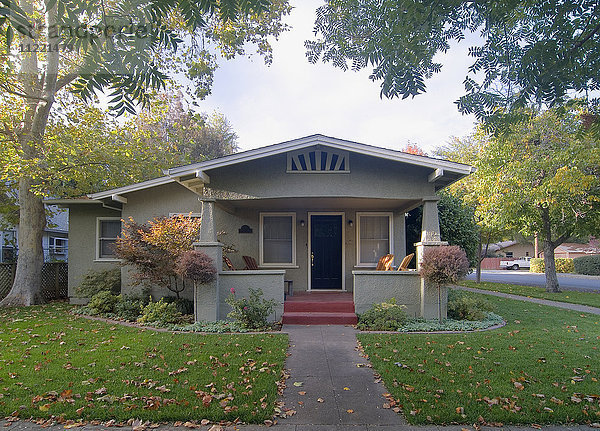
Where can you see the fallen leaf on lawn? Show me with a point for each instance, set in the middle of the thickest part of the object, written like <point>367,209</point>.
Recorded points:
<point>518,385</point>
<point>320,400</point>
<point>349,411</point>
<point>204,422</point>
<point>298,384</point>
<point>396,409</point>
<point>460,410</point>
<point>575,399</point>
<point>268,423</point>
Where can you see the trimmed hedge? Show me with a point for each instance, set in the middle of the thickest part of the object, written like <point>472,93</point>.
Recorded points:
<point>587,265</point>
<point>562,265</point>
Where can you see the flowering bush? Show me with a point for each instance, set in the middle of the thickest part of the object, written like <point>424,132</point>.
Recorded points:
<point>252,312</point>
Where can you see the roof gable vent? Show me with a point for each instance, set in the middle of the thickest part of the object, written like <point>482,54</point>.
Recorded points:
<point>317,161</point>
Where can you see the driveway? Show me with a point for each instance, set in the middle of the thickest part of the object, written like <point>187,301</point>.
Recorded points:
<point>526,278</point>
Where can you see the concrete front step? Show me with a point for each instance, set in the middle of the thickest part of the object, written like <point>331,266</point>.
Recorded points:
<point>319,306</point>
<point>318,318</point>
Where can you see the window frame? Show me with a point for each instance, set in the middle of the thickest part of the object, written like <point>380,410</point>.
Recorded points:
<point>99,221</point>
<point>390,216</point>
<point>58,249</point>
<point>262,262</point>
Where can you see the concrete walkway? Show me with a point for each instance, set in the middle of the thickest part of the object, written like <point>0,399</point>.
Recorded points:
<point>565,305</point>
<point>330,383</point>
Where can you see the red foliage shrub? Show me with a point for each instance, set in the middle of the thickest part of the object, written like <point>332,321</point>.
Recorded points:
<point>195,265</point>
<point>444,265</point>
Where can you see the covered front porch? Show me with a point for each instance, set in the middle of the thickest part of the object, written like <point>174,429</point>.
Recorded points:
<point>315,257</point>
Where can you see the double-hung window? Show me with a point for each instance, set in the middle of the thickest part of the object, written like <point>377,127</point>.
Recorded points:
<point>108,230</point>
<point>374,237</point>
<point>278,239</point>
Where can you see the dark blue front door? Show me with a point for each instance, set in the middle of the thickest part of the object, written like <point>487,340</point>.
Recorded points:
<point>326,251</point>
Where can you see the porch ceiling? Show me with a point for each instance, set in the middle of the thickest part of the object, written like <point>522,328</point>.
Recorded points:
<point>322,203</point>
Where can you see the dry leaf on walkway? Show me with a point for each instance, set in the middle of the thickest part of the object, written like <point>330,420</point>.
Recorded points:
<point>349,411</point>
<point>301,392</point>
<point>320,400</point>
<point>298,384</point>
<point>346,388</point>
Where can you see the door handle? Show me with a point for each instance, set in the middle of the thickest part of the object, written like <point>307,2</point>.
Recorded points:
<point>312,259</point>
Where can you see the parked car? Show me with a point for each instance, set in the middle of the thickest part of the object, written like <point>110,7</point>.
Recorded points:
<point>522,262</point>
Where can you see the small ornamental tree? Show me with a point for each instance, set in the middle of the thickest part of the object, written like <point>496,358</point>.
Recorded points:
<point>444,265</point>
<point>154,249</point>
<point>196,265</point>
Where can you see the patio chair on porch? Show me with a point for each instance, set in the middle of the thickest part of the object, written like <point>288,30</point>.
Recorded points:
<point>385,263</point>
<point>228,263</point>
<point>405,262</point>
<point>250,262</point>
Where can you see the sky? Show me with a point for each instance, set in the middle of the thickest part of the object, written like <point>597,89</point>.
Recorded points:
<point>293,98</point>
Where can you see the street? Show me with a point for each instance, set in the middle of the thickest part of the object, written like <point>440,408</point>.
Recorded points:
<point>526,278</point>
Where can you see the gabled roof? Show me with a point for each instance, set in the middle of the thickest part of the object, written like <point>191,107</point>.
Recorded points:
<point>198,170</point>
<point>308,141</point>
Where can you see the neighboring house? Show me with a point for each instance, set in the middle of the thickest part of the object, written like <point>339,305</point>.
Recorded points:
<point>316,213</point>
<point>572,250</point>
<point>514,249</point>
<point>55,239</point>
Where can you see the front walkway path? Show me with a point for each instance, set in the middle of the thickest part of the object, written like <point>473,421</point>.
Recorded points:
<point>330,383</point>
<point>566,305</point>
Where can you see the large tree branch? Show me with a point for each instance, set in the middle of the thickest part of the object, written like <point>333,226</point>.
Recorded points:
<point>66,80</point>
<point>18,93</point>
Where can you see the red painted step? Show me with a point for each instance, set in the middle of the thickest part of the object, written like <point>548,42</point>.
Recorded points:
<point>319,308</point>
<point>316,318</point>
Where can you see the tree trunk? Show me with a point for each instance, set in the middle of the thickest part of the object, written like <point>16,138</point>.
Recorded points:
<point>549,246</point>
<point>550,267</point>
<point>479,259</point>
<point>26,289</point>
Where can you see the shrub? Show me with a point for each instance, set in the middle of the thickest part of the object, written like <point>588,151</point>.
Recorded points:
<point>252,312</point>
<point>160,313</point>
<point>130,307</point>
<point>444,265</point>
<point>386,316</point>
<point>184,305</point>
<point>95,282</point>
<point>461,307</point>
<point>563,265</point>
<point>196,265</point>
<point>587,265</point>
<point>103,302</point>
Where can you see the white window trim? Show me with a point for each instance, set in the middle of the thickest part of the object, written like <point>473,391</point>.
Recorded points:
<point>98,258</point>
<point>390,216</point>
<point>262,263</point>
<point>52,247</point>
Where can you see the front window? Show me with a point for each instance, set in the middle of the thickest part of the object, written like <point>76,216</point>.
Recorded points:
<point>108,231</point>
<point>58,245</point>
<point>278,239</point>
<point>374,233</point>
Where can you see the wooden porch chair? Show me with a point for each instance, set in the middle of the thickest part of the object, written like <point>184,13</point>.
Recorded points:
<point>385,263</point>
<point>250,262</point>
<point>405,262</point>
<point>228,263</point>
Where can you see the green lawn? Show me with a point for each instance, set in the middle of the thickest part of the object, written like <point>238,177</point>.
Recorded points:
<point>53,363</point>
<point>542,367</point>
<point>574,297</point>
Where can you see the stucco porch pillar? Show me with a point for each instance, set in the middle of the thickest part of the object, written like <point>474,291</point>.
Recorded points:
<point>430,237</point>
<point>206,296</point>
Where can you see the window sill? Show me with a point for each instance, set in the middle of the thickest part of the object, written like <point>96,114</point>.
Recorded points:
<point>106,259</point>
<point>283,266</point>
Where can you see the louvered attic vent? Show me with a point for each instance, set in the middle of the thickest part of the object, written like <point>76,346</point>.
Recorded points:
<point>318,161</point>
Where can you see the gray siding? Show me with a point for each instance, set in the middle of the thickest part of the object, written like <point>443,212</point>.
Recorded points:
<point>82,244</point>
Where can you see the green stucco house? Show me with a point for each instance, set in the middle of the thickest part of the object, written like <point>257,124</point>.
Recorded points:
<point>316,213</point>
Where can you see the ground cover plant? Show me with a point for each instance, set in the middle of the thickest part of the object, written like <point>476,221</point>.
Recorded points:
<point>542,367</point>
<point>571,296</point>
<point>57,364</point>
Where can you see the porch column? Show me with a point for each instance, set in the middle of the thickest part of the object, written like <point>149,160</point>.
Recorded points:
<point>430,237</point>
<point>206,296</point>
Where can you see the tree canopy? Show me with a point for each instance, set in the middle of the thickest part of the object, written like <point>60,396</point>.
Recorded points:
<point>541,176</point>
<point>531,52</point>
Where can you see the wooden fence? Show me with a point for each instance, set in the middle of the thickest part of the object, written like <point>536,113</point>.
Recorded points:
<point>491,263</point>
<point>54,280</point>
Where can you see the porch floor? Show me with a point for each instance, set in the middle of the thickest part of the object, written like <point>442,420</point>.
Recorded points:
<point>319,308</point>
